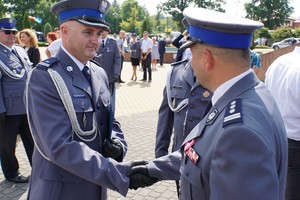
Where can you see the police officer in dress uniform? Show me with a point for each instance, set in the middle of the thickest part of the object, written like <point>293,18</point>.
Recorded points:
<point>78,142</point>
<point>109,58</point>
<point>14,69</point>
<point>239,149</point>
<point>184,100</point>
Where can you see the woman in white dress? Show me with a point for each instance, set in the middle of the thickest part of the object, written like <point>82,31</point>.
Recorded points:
<point>154,53</point>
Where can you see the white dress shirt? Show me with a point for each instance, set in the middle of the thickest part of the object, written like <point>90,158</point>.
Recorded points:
<point>283,81</point>
<point>146,44</point>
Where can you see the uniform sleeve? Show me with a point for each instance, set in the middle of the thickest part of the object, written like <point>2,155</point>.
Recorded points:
<point>117,59</point>
<point>166,167</point>
<point>52,133</point>
<point>243,167</point>
<point>164,127</point>
<point>176,42</point>
<point>2,105</point>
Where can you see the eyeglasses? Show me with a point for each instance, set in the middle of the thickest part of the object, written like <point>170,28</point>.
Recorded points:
<point>8,32</point>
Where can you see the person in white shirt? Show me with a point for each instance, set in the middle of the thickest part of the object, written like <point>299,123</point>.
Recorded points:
<point>55,45</point>
<point>283,80</point>
<point>146,56</point>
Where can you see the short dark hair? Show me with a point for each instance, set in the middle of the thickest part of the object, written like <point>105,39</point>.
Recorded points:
<point>56,29</point>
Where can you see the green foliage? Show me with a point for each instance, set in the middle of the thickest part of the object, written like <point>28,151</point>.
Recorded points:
<point>175,8</point>
<point>132,24</point>
<point>26,23</point>
<point>47,29</point>
<point>262,33</point>
<point>282,33</point>
<point>113,17</point>
<point>297,32</point>
<point>271,13</point>
<point>146,26</point>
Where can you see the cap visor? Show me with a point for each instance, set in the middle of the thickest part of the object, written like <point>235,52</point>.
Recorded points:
<point>9,29</point>
<point>98,24</point>
<point>187,44</point>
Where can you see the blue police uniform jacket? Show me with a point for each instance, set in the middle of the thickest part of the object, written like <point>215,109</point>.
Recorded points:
<point>238,150</point>
<point>109,58</point>
<point>65,166</point>
<point>182,86</point>
<point>12,84</point>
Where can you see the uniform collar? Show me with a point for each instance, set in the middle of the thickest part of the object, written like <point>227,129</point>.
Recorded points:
<point>76,61</point>
<point>9,48</point>
<point>226,86</point>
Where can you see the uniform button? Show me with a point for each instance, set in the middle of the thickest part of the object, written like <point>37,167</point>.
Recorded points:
<point>98,107</point>
<point>191,106</point>
<point>193,93</point>
<point>59,176</point>
<point>101,123</point>
<point>191,119</point>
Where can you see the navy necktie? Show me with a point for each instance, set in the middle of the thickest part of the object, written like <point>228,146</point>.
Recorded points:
<point>16,54</point>
<point>103,44</point>
<point>87,74</point>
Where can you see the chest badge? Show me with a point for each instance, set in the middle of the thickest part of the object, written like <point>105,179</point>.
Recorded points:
<point>212,116</point>
<point>190,152</point>
<point>206,94</point>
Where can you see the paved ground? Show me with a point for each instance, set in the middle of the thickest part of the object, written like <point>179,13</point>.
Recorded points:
<point>136,109</point>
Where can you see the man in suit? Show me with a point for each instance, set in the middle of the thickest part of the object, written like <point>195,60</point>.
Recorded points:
<point>14,69</point>
<point>162,43</point>
<point>109,58</point>
<point>79,144</point>
<point>174,113</point>
<point>239,149</point>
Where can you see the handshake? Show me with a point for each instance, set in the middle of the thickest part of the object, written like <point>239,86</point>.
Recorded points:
<point>139,176</point>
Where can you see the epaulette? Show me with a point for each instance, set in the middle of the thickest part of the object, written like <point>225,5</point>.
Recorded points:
<point>45,64</point>
<point>113,39</point>
<point>233,113</point>
<point>174,64</point>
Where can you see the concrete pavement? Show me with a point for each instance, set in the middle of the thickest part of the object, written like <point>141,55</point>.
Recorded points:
<point>136,108</point>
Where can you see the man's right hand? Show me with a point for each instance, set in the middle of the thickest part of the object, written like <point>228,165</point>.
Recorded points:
<point>2,117</point>
<point>139,176</point>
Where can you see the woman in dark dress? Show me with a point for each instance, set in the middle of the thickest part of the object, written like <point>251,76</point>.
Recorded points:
<point>29,39</point>
<point>135,55</point>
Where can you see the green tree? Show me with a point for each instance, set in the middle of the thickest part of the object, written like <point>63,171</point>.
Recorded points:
<point>132,23</point>
<point>47,28</point>
<point>297,32</point>
<point>175,8</point>
<point>26,23</point>
<point>262,33</point>
<point>113,17</point>
<point>18,8</point>
<point>271,13</point>
<point>282,33</point>
<point>146,24</point>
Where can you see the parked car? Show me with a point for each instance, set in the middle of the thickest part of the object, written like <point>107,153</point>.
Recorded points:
<point>284,43</point>
<point>40,36</point>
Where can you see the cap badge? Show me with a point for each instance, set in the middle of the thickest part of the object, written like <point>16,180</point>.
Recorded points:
<point>103,6</point>
<point>10,20</point>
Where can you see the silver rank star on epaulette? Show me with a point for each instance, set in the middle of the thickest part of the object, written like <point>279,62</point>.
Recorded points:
<point>233,113</point>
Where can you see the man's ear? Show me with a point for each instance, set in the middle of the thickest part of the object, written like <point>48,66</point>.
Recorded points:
<point>208,59</point>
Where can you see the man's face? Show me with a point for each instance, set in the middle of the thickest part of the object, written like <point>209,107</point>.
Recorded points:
<point>121,34</point>
<point>57,33</point>
<point>81,40</point>
<point>8,37</point>
<point>104,34</point>
<point>145,35</point>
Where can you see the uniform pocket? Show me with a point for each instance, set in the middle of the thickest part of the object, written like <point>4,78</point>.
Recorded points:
<point>105,98</point>
<point>178,92</point>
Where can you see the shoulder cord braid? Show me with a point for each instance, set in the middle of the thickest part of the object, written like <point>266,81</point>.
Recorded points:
<point>10,73</point>
<point>68,104</point>
<point>182,104</point>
